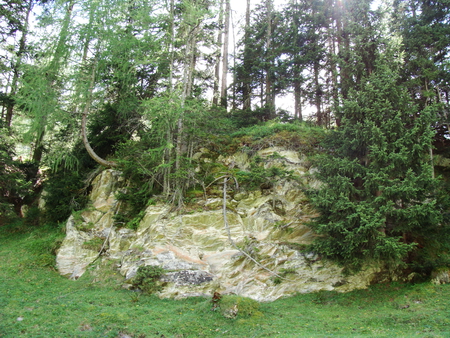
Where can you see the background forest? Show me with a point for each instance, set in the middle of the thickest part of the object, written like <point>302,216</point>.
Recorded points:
<point>142,85</point>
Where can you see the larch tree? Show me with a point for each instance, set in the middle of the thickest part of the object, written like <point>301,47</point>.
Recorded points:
<point>16,62</point>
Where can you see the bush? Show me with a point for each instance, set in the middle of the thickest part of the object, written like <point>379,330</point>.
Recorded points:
<point>15,178</point>
<point>147,278</point>
<point>64,193</point>
<point>233,306</point>
<point>260,177</point>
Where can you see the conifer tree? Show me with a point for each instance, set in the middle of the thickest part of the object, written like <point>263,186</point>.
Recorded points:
<point>377,201</point>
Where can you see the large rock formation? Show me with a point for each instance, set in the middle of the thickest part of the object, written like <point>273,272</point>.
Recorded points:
<point>256,253</point>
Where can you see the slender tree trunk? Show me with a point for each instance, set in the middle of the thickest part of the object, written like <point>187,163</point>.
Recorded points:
<point>87,145</point>
<point>187,89</point>
<point>318,94</point>
<point>246,90</point>
<point>297,97</point>
<point>226,35</point>
<point>269,95</point>
<point>171,44</point>
<point>167,157</point>
<point>344,52</point>
<point>88,98</point>
<point>333,70</point>
<point>216,93</point>
<point>297,66</point>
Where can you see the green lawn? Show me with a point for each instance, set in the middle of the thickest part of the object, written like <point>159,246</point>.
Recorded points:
<point>36,302</point>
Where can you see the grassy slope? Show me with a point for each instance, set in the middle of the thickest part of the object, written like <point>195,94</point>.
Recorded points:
<point>52,306</point>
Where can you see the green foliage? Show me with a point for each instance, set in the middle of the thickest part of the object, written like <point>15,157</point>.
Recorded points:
<point>65,193</point>
<point>250,246</point>
<point>378,201</point>
<point>16,183</point>
<point>147,278</point>
<point>260,177</point>
<point>32,216</point>
<point>129,219</point>
<point>282,274</point>
<point>94,244</point>
<point>233,307</point>
<point>141,183</point>
<point>283,226</point>
<point>293,136</point>
<point>110,127</point>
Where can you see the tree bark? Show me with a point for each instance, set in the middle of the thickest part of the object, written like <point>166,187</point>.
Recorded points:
<point>269,100</point>
<point>297,98</point>
<point>87,145</point>
<point>223,90</point>
<point>246,89</point>
<point>318,94</point>
<point>219,54</point>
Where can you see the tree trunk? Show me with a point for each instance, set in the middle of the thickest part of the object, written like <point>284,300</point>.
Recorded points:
<point>88,147</point>
<point>269,95</point>
<point>187,89</point>
<point>318,94</point>
<point>171,44</point>
<point>86,143</point>
<point>246,89</point>
<point>223,90</point>
<point>297,98</point>
<point>216,93</point>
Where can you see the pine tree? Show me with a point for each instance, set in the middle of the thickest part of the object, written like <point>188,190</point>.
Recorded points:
<point>377,201</point>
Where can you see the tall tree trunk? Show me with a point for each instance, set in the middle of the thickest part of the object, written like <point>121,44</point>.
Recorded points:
<point>297,97</point>
<point>246,89</point>
<point>167,157</point>
<point>333,67</point>
<point>318,94</point>
<point>187,89</point>
<point>88,98</point>
<point>343,50</point>
<point>269,94</point>
<point>216,93</point>
<point>223,89</point>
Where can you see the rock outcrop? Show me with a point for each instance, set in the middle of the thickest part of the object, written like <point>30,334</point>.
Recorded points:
<point>202,252</point>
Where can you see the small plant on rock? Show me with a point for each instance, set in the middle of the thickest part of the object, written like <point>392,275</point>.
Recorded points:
<point>147,278</point>
<point>94,244</point>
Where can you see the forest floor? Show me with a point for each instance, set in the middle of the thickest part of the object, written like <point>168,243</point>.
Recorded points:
<point>35,301</point>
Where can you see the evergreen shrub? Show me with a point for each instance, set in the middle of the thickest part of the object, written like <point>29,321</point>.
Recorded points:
<point>147,278</point>
<point>378,202</point>
<point>65,193</point>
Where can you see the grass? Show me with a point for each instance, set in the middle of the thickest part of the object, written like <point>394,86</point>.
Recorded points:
<point>36,302</point>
